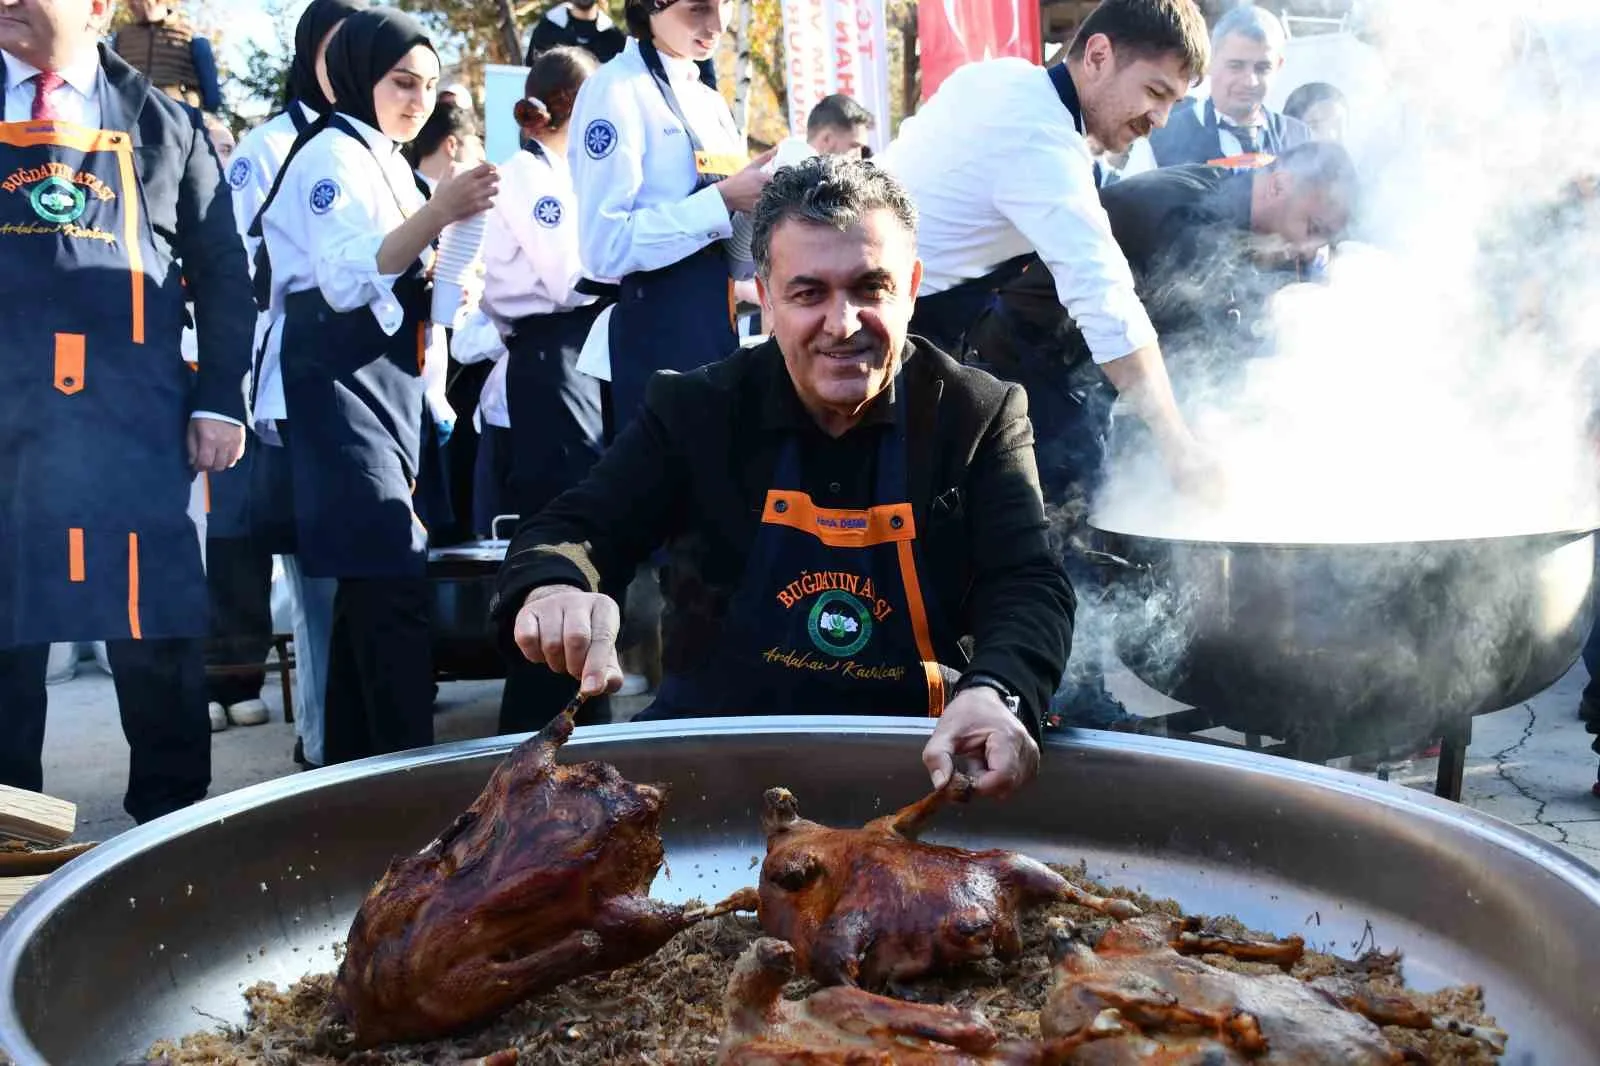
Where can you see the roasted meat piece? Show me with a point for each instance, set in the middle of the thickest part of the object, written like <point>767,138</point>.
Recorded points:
<point>543,879</point>
<point>875,907</point>
<point>847,1026</point>
<point>1154,1003</point>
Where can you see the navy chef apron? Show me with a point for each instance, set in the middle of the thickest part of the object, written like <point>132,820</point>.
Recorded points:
<point>829,616</point>
<point>95,538</point>
<point>682,316</point>
<point>354,398</point>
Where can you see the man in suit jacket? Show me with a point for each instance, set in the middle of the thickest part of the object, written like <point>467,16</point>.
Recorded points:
<point>852,520</point>
<point>113,208</point>
<point>1231,125</point>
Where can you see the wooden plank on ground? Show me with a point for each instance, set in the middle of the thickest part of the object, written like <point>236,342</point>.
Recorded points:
<point>13,889</point>
<point>25,863</point>
<point>36,818</point>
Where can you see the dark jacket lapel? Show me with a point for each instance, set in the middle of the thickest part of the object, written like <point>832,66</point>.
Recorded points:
<point>127,93</point>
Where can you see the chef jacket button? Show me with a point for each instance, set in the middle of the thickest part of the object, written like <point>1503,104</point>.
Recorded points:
<point>781,506</point>
<point>896,522</point>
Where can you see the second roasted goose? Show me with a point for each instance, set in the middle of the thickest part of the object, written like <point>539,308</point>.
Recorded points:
<point>877,907</point>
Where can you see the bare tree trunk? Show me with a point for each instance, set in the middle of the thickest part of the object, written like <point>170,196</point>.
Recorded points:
<point>741,67</point>
<point>911,66</point>
<point>510,36</point>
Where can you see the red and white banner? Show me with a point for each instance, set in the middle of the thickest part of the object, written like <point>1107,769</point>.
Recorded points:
<point>837,46</point>
<point>953,32</point>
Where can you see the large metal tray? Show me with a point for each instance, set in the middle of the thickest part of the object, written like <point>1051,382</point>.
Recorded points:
<point>156,932</point>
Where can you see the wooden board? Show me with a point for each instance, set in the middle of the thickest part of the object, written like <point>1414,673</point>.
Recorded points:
<point>14,888</point>
<point>40,861</point>
<point>36,818</point>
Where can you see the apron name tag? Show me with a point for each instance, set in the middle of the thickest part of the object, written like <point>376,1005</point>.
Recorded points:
<point>718,165</point>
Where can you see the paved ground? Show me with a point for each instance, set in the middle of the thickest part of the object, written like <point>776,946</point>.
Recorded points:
<point>1529,764</point>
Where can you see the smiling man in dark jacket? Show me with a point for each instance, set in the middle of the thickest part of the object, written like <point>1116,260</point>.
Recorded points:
<point>112,209</point>
<point>852,520</point>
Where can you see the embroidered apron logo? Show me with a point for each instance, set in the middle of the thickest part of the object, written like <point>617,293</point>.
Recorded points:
<point>55,200</point>
<point>840,624</point>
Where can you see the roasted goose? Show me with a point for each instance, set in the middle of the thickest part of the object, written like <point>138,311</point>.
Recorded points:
<point>543,879</point>
<point>875,907</point>
<point>1177,1010</point>
<point>849,1027</point>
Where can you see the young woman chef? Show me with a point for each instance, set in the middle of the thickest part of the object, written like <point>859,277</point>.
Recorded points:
<point>532,265</point>
<point>663,169</point>
<point>263,511</point>
<point>348,235</point>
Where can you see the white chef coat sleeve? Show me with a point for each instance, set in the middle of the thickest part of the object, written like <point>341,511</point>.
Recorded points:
<point>1045,187</point>
<point>616,235</point>
<point>535,214</point>
<point>250,180</point>
<point>336,195</point>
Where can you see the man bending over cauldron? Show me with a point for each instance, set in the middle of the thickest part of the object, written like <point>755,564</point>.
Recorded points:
<point>852,520</point>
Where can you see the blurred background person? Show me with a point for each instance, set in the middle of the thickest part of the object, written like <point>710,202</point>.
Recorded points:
<point>1230,124</point>
<point>576,23</point>
<point>450,139</point>
<point>161,45</point>
<point>1322,107</point>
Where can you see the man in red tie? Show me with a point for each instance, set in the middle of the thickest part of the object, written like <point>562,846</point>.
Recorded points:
<point>112,205</point>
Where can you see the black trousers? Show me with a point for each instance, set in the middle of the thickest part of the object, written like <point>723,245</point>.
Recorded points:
<point>239,584</point>
<point>161,695</point>
<point>380,669</point>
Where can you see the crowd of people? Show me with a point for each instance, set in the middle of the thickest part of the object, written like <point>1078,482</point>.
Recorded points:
<point>843,495</point>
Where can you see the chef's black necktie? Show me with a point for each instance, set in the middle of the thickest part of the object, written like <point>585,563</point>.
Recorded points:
<point>1249,137</point>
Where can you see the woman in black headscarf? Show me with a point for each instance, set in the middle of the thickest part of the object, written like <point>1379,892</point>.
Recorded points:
<point>349,237</point>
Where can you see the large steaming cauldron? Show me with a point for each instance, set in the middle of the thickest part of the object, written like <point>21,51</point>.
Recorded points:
<point>1344,648</point>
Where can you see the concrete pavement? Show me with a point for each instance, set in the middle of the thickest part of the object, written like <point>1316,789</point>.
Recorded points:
<point>1529,764</point>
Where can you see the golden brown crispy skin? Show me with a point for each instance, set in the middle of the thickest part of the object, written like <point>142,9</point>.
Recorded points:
<point>875,907</point>
<point>1179,1010</point>
<point>543,879</point>
<point>849,1027</point>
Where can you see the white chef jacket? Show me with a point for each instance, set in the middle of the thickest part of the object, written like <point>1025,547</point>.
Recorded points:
<point>997,168</point>
<point>632,159</point>
<point>477,340</point>
<point>254,166</point>
<point>338,202</point>
<point>530,246</point>
<point>77,102</point>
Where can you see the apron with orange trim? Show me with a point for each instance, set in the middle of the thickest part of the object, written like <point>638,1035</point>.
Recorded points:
<point>95,539</point>
<point>355,396</point>
<point>829,617</point>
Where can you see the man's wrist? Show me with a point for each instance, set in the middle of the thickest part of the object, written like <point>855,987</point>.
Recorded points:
<point>1001,690</point>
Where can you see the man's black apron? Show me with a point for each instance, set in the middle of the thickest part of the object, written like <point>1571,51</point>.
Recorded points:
<point>95,539</point>
<point>557,429</point>
<point>354,399</point>
<point>829,616</point>
<point>682,316</point>
<point>944,318</point>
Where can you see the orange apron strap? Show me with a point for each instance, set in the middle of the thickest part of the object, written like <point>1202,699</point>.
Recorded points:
<point>134,629</point>
<point>1245,160</point>
<point>76,573</point>
<point>919,627</point>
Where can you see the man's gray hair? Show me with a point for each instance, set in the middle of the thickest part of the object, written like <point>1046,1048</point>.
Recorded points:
<point>1256,23</point>
<point>825,190</point>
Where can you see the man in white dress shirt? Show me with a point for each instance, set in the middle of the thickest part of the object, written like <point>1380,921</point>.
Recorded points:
<point>1001,164</point>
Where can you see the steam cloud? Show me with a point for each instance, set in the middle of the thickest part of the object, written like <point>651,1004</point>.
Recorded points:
<point>1438,386</point>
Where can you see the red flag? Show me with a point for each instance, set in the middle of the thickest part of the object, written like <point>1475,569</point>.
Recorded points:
<point>953,32</point>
